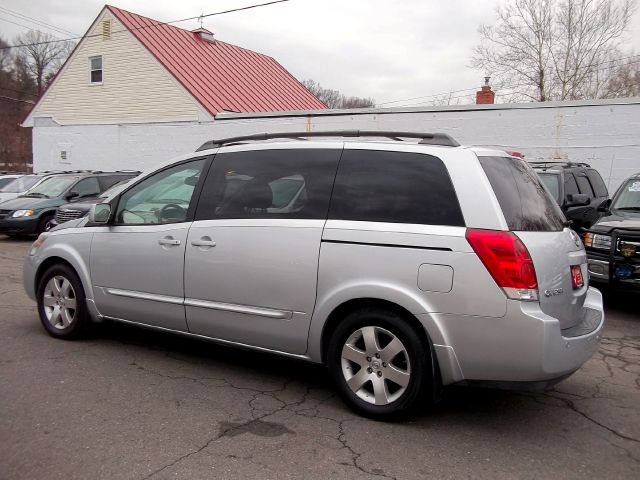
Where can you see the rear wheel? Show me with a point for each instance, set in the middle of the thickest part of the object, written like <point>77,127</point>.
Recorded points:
<point>61,303</point>
<point>380,365</point>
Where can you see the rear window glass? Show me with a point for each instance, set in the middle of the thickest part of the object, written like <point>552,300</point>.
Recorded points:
<point>395,187</point>
<point>552,182</point>
<point>597,183</point>
<point>525,203</point>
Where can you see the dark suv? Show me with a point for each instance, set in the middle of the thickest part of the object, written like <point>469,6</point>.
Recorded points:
<point>577,187</point>
<point>33,211</point>
<point>613,242</point>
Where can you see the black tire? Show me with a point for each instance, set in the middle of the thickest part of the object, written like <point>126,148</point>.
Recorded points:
<point>81,321</point>
<point>419,390</point>
<point>44,224</point>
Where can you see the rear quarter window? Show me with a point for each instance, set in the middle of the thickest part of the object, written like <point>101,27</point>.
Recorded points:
<point>394,187</point>
<point>597,183</point>
<point>525,203</point>
<point>584,185</point>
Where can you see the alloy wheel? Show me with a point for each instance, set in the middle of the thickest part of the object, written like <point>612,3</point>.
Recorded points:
<point>59,301</point>
<point>375,365</point>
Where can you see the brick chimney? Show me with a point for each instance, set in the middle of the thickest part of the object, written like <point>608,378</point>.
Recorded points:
<point>485,95</point>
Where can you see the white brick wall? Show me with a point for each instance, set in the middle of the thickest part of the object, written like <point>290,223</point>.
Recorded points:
<point>605,134</point>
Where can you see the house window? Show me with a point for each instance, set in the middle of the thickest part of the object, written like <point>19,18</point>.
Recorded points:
<point>95,68</point>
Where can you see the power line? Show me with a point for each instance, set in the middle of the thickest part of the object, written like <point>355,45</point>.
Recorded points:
<point>18,91</point>
<point>17,100</point>
<point>158,24</point>
<point>588,68</point>
<point>41,23</point>
<point>15,23</point>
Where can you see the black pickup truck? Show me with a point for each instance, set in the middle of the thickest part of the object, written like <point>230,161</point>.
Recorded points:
<point>613,242</point>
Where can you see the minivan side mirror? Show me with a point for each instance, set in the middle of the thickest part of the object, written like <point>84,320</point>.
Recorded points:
<point>100,213</point>
<point>577,200</point>
<point>71,195</point>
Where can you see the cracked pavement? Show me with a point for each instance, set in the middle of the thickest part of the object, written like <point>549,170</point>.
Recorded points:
<point>128,403</point>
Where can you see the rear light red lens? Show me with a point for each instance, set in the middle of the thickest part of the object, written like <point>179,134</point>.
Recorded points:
<point>576,277</point>
<point>507,260</point>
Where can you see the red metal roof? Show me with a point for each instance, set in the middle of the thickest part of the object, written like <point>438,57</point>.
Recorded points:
<point>221,76</point>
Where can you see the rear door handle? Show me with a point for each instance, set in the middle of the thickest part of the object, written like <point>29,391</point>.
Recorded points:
<point>204,242</point>
<point>169,241</point>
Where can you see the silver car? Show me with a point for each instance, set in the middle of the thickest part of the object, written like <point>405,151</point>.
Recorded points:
<point>403,266</point>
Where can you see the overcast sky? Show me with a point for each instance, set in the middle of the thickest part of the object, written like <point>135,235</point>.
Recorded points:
<point>384,49</point>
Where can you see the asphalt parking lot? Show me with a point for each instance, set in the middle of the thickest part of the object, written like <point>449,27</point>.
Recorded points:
<point>133,404</point>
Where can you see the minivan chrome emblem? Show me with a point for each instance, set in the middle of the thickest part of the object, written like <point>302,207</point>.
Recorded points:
<point>555,291</point>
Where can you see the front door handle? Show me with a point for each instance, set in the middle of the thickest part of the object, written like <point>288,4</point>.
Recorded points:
<point>205,242</point>
<point>168,241</point>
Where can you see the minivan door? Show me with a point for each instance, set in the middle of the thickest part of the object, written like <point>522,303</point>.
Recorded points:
<point>252,253</point>
<point>137,263</point>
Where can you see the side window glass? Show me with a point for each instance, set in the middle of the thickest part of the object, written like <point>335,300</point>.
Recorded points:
<point>597,183</point>
<point>165,197</point>
<point>570,185</point>
<point>269,184</point>
<point>398,187</point>
<point>584,185</point>
<point>88,187</point>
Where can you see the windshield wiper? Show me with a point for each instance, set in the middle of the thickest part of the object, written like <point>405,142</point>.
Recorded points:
<point>35,195</point>
<point>633,209</point>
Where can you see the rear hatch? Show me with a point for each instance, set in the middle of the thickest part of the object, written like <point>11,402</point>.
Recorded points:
<point>535,218</point>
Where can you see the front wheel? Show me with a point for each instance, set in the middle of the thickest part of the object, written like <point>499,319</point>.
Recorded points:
<point>61,303</point>
<point>44,225</point>
<point>380,364</point>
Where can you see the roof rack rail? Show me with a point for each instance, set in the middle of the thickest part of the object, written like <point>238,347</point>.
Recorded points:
<point>558,163</point>
<point>425,138</point>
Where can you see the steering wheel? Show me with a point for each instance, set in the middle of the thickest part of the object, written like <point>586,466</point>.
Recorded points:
<point>172,212</point>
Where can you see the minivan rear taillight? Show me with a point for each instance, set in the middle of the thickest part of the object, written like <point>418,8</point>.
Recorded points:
<point>576,277</point>
<point>507,260</point>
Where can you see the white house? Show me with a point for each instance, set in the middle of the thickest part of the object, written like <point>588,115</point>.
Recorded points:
<point>132,70</point>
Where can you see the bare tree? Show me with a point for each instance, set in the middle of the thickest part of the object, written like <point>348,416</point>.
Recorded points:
<point>624,81</point>
<point>335,99</point>
<point>553,49</point>
<point>43,54</point>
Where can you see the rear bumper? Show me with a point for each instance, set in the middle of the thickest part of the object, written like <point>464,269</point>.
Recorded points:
<point>524,346</point>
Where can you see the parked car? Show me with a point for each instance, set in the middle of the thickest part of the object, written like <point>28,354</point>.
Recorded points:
<point>402,266</point>
<point>79,207</point>
<point>8,178</point>
<point>578,189</point>
<point>33,211</point>
<point>613,242</point>
<point>18,186</point>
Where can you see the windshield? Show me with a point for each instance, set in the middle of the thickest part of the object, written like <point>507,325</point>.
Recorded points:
<point>52,187</point>
<point>629,197</point>
<point>552,182</point>
<point>21,184</point>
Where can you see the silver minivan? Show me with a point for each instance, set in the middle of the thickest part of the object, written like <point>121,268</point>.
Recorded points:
<point>402,266</point>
